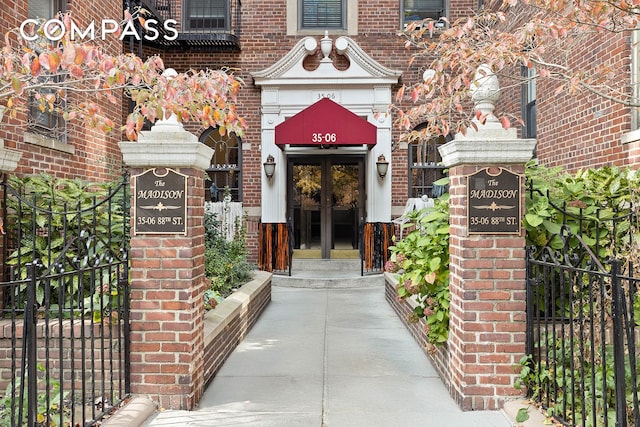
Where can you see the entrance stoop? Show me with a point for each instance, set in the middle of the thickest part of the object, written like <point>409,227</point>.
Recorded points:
<point>327,273</point>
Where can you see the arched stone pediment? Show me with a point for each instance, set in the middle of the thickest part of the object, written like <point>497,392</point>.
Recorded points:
<point>289,70</point>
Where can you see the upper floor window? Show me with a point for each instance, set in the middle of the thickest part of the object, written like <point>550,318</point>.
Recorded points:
<point>45,118</point>
<point>324,14</point>
<point>225,169</point>
<point>203,15</point>
<point>529,102</point>
<point>417,10</point>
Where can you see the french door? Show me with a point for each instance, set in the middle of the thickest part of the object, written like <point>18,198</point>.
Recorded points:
<point>326,201</point>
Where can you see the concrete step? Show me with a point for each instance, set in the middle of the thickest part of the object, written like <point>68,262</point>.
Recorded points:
<point>325,273</point>
<point>348,266</point>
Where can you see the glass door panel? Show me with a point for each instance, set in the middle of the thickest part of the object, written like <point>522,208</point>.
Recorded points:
<point>306,195</point>
<point>346,191</point>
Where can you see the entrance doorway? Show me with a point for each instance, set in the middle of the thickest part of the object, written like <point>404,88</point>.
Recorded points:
<point>326,202</point>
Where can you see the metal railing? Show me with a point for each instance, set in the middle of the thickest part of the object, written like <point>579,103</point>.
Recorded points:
<point>581,324</point>
<point>64,334</point>
<point>204,25</point>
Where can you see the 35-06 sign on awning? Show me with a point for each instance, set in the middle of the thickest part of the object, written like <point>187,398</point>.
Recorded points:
<point>325,123</point>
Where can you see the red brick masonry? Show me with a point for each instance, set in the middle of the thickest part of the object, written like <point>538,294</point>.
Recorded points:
<point>227,325</point>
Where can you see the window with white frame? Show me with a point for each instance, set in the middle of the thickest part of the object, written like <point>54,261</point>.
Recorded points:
<point>306,17</point>
<point>528,107</point>
<point>323,14</point>
<point>425,167</point>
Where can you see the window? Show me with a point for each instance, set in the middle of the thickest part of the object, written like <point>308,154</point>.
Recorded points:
<point>46,121</point>
<point>529,102</point>
<point>425,167</point>
<point>417,10</point>
<point>325,14</point>
<point>202,15</point>
<point>42,119</point>
<point>305,17</point>
<point>225,169</point>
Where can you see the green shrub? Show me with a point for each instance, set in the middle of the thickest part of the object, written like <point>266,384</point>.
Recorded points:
<point>49,405</point>
<point>226,263</point>
<point>598,205</point>
<point>421,261</point>
<point>592,198</point>
<point>56,228</point>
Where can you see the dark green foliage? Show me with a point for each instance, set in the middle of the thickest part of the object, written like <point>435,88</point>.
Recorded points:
<point>591,197</point>
<point>50,405</point>
<point>226,263</point>
<point>599,205</point>
<point>62,225</point>
<point>421,261</point>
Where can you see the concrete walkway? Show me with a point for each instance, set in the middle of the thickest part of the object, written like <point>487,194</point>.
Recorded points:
<point>328,357</point>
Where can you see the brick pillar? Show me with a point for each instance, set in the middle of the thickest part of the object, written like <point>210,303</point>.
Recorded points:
<point>487,270</point>
<point>167,277</point>
<point>487,311</point>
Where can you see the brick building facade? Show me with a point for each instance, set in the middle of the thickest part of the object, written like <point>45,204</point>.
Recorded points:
<point>320,68</point>
<point>48,144</point>
<point>248,38</point>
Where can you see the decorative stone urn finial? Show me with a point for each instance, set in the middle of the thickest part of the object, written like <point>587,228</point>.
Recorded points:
<point>171,123</point>
<point>325,46</point>
<point>485,91</point>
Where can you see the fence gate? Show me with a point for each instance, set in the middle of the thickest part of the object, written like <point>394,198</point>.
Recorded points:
<point>581,326</point>
<point>64,295</point>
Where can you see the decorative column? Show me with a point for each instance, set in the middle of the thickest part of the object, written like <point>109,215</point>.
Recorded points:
<point>487,255</point>
<point>167,264</point>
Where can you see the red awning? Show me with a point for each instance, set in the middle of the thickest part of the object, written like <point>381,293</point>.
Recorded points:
<point>325,123</point>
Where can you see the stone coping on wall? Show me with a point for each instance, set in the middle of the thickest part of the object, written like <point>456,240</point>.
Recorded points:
<point>486,151</point>
<point>439,356</point>
<point>228,324</point>
<point>216,320</point>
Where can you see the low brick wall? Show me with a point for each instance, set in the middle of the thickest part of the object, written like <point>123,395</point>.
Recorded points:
<point>403,308</point>
<point>228,324</point>
<point>78,354</point>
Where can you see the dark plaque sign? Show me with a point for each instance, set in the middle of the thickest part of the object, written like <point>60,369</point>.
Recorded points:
<point>493,202</point>
<point>160,202</point>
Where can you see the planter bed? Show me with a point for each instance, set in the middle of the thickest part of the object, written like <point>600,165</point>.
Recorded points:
<point>438,355</point>
<point>227,325</point>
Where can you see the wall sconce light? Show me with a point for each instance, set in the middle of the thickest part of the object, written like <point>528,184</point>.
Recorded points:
<point>269,166</point>
<point>382,165</point>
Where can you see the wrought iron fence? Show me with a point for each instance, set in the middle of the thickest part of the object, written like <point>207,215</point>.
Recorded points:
<point>64,335</point>
<point>582,311</point>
